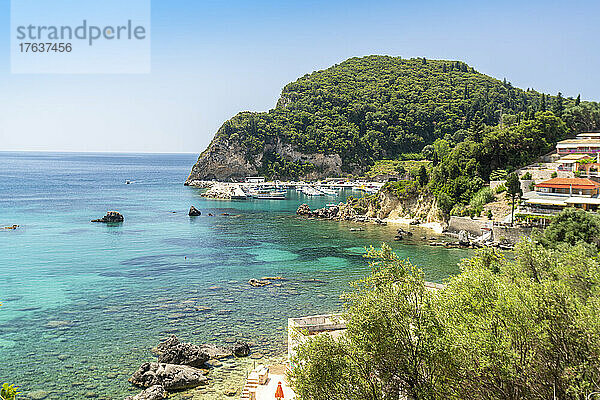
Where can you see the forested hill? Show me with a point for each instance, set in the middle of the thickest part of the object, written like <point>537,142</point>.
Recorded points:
<point>342,119</point>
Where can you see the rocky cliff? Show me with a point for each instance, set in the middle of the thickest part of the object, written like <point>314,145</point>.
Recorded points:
<point>227,159</point>
<point>420,207</point>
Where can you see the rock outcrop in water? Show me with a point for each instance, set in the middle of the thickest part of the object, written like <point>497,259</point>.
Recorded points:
<point>341,212</point>
<point>194,212</point>
<point>184,354</point>
<point>171,377</point>
<point>156,392</point>
<point>241,349</point>
<point>111,217</point>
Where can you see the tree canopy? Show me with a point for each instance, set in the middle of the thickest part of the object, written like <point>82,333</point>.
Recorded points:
<point>520,328</point>
<point>380,107</point>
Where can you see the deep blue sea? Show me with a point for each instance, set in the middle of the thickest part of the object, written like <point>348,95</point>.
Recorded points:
<point>83,303</point>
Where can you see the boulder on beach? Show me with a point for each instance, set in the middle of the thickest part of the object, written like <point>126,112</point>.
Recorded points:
<point>194,212</point>
<point>169,376</point>
<point>155,392</point>
<point>110,217</point>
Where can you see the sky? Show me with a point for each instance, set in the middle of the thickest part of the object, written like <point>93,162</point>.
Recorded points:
<point>212,59</point>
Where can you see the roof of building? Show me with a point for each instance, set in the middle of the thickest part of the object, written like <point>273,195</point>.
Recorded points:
<point>589,134</point>
<point>566,183</point>
<point>574,157</point>
<point>579,141</point>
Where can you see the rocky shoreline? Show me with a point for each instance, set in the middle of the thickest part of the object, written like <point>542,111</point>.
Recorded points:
<point>180,366</point>
<point>345,212</point>
<point>340,212</point>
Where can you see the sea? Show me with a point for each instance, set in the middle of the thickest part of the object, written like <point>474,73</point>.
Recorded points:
<point>83,303</point>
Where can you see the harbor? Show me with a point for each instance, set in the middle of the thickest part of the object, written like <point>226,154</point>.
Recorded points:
<point>260,189</point>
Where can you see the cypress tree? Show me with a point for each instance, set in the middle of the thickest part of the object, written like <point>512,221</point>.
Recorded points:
<point>543,103</point>
<point>559,107</point>
<point>578,100</point>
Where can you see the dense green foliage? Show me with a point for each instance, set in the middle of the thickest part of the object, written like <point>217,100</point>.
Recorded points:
<point>8,392</point>
<point>573,226</point>
<point>380,107</point>
<point>463,167</point>
<point>526,328</point>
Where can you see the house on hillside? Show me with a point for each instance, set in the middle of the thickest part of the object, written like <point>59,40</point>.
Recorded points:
<point>570,163</point>
<point>589,135</point>
<point>578,146</point>
<point>553,195</point>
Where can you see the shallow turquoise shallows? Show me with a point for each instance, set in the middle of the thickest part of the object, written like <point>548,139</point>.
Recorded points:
<point>83,303</point>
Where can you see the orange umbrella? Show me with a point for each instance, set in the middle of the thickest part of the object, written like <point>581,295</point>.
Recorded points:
<point>279,392</point>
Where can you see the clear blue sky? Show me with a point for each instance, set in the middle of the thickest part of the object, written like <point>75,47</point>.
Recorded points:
<point>211,59</point>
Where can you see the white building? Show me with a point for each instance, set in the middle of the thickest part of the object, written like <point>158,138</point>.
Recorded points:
<point>255,179</point>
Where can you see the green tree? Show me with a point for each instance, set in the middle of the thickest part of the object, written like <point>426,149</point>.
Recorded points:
<point>513,188</point>
<point>423,176</point>
<point>390,347</point>
<point>8,392</point>
<point>573,226</point>
<point>558,107</point>
<point>527,327</point>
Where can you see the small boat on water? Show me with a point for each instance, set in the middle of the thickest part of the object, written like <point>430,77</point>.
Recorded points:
<point>327,191</point>
<point>269,195</point>
<point>310,191</point>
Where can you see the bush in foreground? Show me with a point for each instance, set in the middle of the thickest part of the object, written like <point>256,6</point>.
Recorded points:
<point>528,328</point>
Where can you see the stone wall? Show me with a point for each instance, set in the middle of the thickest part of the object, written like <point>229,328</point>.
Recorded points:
<point>472,226</point>
<point>510,234</point>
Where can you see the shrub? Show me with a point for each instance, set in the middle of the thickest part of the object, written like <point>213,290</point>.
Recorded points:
<point>498,175</point>
<point>554,174</point>
<point>482,197</point>
<point>526,176</point>
<point>8,392</point>
<point>500,189</point>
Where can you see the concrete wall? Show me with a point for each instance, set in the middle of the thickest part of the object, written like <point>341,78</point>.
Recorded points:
<point>472,226</point>
<point>510,234</point>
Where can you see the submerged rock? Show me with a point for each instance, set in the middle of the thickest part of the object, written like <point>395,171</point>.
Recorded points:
<point>155,392</point>
<point>194,212</point>
<point>240,349</point>
<point>110,217</point>
<point>169,376</point>
<point>259,282</point>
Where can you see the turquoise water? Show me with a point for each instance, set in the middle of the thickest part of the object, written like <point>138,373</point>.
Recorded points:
<point>83,303</point>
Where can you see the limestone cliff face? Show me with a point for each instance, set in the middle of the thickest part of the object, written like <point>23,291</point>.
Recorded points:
<point>222,160</point>
<point>420,206</point>
<point>226,159</point>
